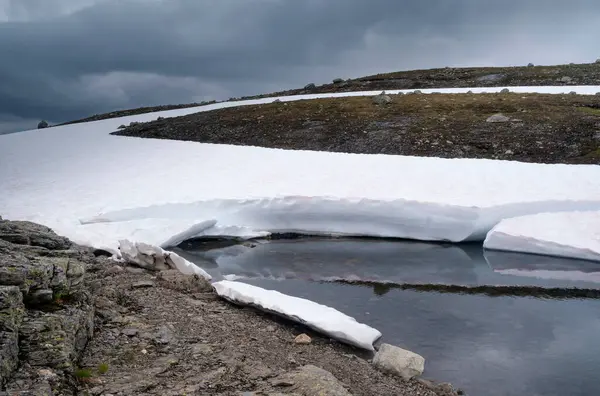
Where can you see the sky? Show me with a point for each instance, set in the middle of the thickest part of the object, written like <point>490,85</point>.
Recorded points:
<point>67,59</point>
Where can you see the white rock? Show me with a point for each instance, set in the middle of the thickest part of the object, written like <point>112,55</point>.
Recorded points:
<point>394,360</point>
<point>498,118</point>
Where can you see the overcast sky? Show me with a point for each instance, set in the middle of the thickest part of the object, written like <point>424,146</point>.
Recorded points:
<point>66,59</point>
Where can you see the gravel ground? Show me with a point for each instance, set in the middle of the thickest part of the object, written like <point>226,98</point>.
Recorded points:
<point>167,334</point>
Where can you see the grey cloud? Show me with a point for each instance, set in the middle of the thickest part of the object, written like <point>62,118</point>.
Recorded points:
<point>55,66</point>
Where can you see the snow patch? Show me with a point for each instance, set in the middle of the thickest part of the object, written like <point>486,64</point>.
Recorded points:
<point>324,319</point>
<point>112,183</point>
<point>566,234</point>
<point>156,259</point>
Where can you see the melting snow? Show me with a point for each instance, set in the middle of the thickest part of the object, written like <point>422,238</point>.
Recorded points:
<point>319,317</point>
<point>568,234</point>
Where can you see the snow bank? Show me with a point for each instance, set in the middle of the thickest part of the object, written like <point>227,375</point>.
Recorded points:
<point>567,234</point>
<point>161,192</point>
<point>157,259</point>
<point>316,316</point>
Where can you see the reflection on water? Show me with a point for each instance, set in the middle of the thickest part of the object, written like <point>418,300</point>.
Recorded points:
<point>487,346</point>
<point>395,262</point>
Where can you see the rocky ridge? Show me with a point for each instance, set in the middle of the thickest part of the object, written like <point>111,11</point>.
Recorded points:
<point>72,323</point>
<point>448,77</point>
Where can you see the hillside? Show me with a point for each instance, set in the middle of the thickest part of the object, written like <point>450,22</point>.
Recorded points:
<point>557,75</point>
<point>546,128</point>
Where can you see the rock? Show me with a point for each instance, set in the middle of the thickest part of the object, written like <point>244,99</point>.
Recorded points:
<point>530,65</point>
<point>382,99</point>
<point>302,339</point>
<point>130,332</point>
<point>164,335</point>
<point>11,308</point>
<point>277,101</point>
<point>36,275</point>
<point>175,280</point>
<point>572,93</point>
<point>160,118</point>
<point>417,92</point>
<point>32,234</point>
<point>121,126</point>
<point>498,118</point>
<point>310,380</point>
<point>491,78</point>
<point>597,61</point>
<point>565,79</point>
<point>505,90</point>
<point>394,360</point>
<point>11,317</point>
<point>42,296</point>
<point>142,284</point>
<point>201,349</point>
<point>56,339</point>
<point>310,86</point>
<point>42,124</point>
<point>509,152</point>
<point>115,269</point>
<point>338,80</point>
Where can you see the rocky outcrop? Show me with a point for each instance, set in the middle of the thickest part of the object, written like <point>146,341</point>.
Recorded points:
<point>11,316</point>
<point>46,316</point>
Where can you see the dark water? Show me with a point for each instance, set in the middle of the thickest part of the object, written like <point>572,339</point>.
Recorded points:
<point>487,346</point>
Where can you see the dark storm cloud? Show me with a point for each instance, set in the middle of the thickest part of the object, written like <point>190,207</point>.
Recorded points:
<point>64,59</point>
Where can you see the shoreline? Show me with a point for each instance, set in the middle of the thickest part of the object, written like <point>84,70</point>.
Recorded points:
<point>121,329</point>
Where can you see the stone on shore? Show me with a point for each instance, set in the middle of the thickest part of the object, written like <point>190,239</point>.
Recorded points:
<point>311,380</point>
<point>397,361</point>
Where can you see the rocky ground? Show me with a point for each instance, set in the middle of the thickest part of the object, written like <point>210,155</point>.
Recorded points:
<point>556,75</point>
<point>511,126</point>
<point>72,323</point>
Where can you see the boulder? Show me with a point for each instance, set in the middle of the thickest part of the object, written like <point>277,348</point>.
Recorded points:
<point>310,86</point>
<point>43,124</point>
<point>530,65</point>
<point>338,80</point>
<point>505,90</point>
<point>498,118</point>
<point>382,99</point>
<point>565,79</point>
<point>175,280</point>
<point>41,279</point>
<point>397,361</point>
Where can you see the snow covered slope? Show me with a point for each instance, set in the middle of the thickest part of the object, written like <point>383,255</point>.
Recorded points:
<point>319,317</point>
<point>160,192</point>
<point>568,234</point>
